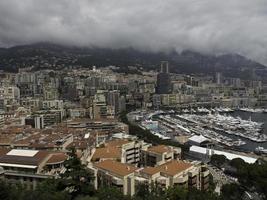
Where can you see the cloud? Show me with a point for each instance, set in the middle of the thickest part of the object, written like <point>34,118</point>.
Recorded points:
<point>208,26</point>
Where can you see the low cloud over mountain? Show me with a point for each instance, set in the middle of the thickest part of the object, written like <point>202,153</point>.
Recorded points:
<point>206,26</point>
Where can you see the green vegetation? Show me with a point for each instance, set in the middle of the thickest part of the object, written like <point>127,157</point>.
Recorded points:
<point>50,190</point>
<point>76,181</point>
<point>251,177</point>
<point>218,160</point>
<point>76,184</point>
<point>172,193</point>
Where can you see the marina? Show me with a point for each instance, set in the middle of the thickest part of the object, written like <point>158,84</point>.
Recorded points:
<point>253,110</point>
<point>223,110</point>
<point>234,129</point>
<point>230,125</point>
<point>260,150</point>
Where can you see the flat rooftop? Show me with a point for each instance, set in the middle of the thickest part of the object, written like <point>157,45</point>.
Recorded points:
<point>115,167</point>
<point>170,168</point>
<point>229,156</point>
<point>23,158</point>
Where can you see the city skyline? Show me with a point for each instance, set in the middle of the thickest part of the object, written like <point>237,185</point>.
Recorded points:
<point>133,100</point>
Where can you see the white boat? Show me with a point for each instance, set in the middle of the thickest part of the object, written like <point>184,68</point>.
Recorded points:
<point>183,128</point>
<point>260,150</point>
<point>230,125</point>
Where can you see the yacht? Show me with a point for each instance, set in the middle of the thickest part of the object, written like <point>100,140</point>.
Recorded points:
<point>260,150</point>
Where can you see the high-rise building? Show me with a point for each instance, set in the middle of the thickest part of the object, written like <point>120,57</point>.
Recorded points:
<point>2,122</point>
<point>164,68</point>
<point>113,99</point>
<point>36,121</point>
<point>218,77</point>
<point>116,100</point>
<point>163,79</point>
<point>99,106</point>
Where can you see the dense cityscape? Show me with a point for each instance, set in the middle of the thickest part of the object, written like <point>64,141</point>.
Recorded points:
<point>133,100</point>
<point>47,114</point>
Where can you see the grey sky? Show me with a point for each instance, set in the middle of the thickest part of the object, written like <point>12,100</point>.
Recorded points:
<point>209,26</point>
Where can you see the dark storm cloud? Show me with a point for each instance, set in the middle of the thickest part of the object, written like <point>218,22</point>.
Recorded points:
<point>209,26</point>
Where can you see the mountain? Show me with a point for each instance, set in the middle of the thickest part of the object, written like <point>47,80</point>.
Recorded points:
<point>45,55</point>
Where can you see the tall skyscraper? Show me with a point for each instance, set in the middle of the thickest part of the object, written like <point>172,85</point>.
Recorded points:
<point>163,79</point>
<point>218,77</point>
<point>164,68</point>
<point>115,99</point>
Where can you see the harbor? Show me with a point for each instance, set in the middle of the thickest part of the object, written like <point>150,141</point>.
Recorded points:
<point>256,117</point>
<point>228,124</point>
<point>226,128</point>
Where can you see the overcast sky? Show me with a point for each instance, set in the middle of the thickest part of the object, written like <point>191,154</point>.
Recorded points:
<point>208,26</point>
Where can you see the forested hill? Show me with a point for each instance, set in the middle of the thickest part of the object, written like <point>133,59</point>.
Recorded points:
<point>43,55</point>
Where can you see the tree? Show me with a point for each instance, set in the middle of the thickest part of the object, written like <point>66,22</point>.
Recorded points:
<point>218,160</point>
<point>142,191</point>
<point>49,189</point>
<point>110,193</point>
<point>231,192</point>
<point>85,198</point>
<point>151,191</point>
<point>77,178</point>
<point>177,193</point>
<point>237,163</point>
<point>4,191</point>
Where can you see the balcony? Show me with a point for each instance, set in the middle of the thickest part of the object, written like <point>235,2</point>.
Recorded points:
<point>205,186</point>
<point>117,181</point>
<point>205,173</point>
<point>181,180</point>
<point>205,180</point>
<point>130,156</point>
<point>162,180</point>
<point>130,151</point>
<point>139,180</point>
<point>192,181</point>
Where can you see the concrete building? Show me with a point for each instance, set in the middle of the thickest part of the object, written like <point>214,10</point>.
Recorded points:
<point>52,104</point>
<point>36,121</point>
<point>50,93</point>
<point>99,108</point>
<point>156,101</point>
<point>204,154</point>
<point>126,177</point>
<point>112,173</point>
<point>51,116</point>
<point>28,167</point>
<point>178,173</point>
<point>158,155</point>
<point>164,67</point>
<point>9,98</point>
<point>33,104</point>
<point>2,122</point>
<point>122,150</point>
<point>163,79</point>
<point>10,92</point>
<point>27,90</point>
<point>199,140</point>
<point>113,99</point>
<point>77,113</point>
<point>218,78</point>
